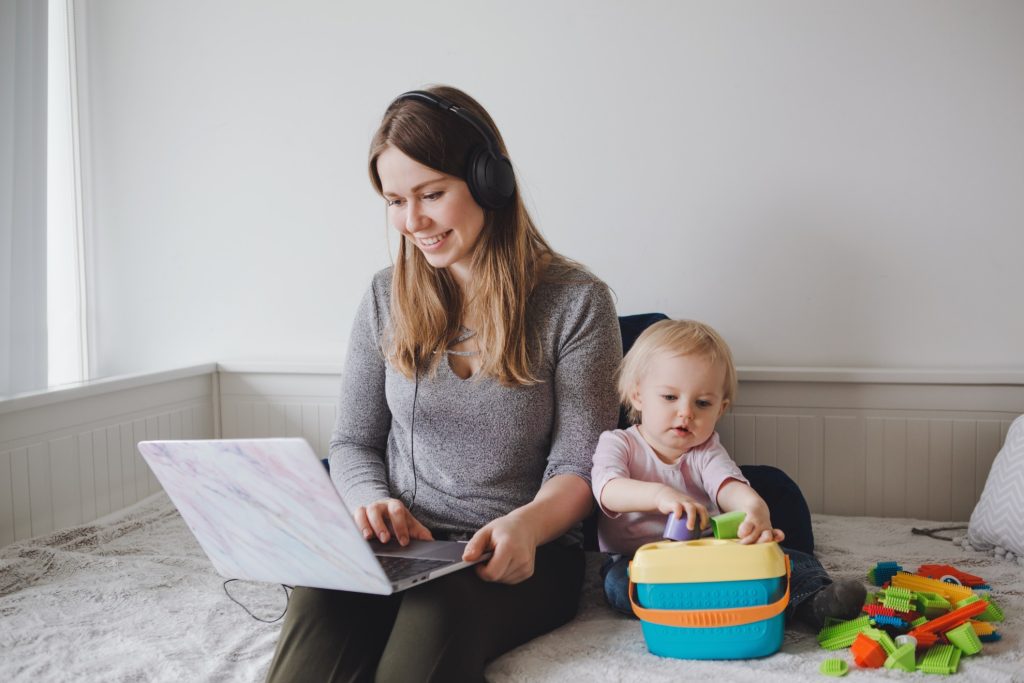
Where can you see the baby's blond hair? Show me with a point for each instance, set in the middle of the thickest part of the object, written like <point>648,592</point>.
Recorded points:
<point>680,338</point>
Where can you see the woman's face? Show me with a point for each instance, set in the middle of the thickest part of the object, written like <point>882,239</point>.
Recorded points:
<point>434,210</point>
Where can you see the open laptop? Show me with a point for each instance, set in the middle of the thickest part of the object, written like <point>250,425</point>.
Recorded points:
<point>266,510</point>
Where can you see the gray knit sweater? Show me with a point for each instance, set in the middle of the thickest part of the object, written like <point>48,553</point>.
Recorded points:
<point>480,449</point>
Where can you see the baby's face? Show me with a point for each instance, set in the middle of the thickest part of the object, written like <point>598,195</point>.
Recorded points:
<point>680,400</point>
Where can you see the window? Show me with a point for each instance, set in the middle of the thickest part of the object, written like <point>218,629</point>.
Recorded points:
<point>42,335</point>
<point>65,301</point>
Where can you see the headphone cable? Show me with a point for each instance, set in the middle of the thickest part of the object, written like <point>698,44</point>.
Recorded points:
<point>412,437</point>
<point>287,601</point>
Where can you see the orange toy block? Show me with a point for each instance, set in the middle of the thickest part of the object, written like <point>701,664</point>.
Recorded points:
<point>951,620</point>
<point>867,652</point>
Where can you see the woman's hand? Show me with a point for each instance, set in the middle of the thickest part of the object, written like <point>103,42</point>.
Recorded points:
<point>670,501</point>
<point>376,518</point>
<point>513,549</point>
<point>512,540</point>
<point>757,527</point>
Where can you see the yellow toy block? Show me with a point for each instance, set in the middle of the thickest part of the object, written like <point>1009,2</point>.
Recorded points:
<point>950,591</point>
<point>982,628</point>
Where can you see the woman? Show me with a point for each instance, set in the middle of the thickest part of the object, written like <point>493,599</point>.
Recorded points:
<point>479,376</point>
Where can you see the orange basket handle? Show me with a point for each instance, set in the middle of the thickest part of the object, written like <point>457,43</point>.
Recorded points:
<point>711,618</point>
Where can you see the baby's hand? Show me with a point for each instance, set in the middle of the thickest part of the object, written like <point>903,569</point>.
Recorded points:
<point>669,501</point>
<point>757,528</point>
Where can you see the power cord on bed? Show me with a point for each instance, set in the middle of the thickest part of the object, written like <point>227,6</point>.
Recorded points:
<point>287,599</point>
<point>934,533</point>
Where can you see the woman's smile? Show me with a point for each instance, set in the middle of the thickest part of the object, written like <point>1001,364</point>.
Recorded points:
<point>433,241</point>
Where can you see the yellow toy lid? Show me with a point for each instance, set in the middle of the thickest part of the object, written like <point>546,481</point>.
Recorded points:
<point>706,559</point>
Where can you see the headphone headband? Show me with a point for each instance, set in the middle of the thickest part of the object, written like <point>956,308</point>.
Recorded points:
<point>489,173</point>
<point>448,105</point>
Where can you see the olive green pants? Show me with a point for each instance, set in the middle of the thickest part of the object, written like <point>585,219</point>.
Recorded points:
<point>444,630</point>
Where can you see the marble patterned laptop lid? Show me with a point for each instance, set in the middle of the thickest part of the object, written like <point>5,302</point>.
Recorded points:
<point>266,510</point>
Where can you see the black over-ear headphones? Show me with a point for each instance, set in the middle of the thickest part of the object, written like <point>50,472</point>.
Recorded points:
<point>488,172</point>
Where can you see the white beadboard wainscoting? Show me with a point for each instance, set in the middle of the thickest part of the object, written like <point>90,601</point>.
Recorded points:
<point>69,456</point>
<point>260,402</point>
<point>858,442</point>
<point>871,443</point>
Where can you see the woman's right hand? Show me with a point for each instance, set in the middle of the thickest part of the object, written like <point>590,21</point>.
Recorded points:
<point>389,517</point>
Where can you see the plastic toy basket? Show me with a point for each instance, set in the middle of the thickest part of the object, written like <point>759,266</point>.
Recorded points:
<point>710,598</point>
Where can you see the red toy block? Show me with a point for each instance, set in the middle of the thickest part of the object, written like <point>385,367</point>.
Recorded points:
<point>875,610</point>
<point>937,571</point>
<point>867,652</point>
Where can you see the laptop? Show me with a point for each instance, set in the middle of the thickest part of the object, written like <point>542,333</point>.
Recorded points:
<point>267,510</point>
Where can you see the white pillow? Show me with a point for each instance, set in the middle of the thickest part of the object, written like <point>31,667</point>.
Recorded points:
<point>998,518</point>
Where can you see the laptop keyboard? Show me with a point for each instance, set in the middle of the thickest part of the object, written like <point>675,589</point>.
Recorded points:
<point>398,568</point>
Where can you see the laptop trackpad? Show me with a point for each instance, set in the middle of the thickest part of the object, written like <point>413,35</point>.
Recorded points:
<point>433,550</point>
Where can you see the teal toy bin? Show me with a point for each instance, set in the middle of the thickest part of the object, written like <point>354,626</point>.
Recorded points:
<point>710,598</point>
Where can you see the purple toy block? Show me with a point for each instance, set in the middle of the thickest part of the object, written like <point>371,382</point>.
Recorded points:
<point>675,529</point>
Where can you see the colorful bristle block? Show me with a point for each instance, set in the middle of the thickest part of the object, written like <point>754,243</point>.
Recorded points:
<point>940,659</point>
<point>867,652</point>
<point>842,634</point>
<point>903,658</point>
<point>834,667</point>
<point>964,637</point>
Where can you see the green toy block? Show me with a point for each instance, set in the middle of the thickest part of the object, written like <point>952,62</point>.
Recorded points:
<point>881,637</point>
<point>898,598</point>
<point>964,637</point>
<point>967,601</point>
<point>727,525</point>
<point>902,658</point>
<point>991,613</point>
<point>838,636</point>
<point>931,605</point>
<point>834,667</point>
<point>940,659</point>
<point>919,621</point>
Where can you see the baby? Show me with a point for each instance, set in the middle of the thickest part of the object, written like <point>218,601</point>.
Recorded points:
<point>676,382</point>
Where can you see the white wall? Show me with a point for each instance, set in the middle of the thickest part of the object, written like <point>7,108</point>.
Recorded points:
<point>828,183</point>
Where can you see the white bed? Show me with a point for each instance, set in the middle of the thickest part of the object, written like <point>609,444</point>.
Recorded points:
<point>132,597</point>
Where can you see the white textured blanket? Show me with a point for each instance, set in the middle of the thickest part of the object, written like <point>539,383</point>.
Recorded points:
<point>133,598</point>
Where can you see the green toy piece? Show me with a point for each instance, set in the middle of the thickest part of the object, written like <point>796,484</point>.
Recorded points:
<point>966,601</point>
<point>940,659</point>
<point>931,604</point>
<point>834,667</point>
<point>902,658</point>
<point>727,525</point>
<point>882,638</point>
<point>991,613</point>
<point>965,638</point>
<point>898,598</point>
<point>838,636</point>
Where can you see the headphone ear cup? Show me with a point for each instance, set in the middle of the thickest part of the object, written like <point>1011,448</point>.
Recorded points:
<point>490,178</point>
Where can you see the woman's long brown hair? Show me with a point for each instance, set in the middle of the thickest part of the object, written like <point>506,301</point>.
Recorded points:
<point>508,260</point>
